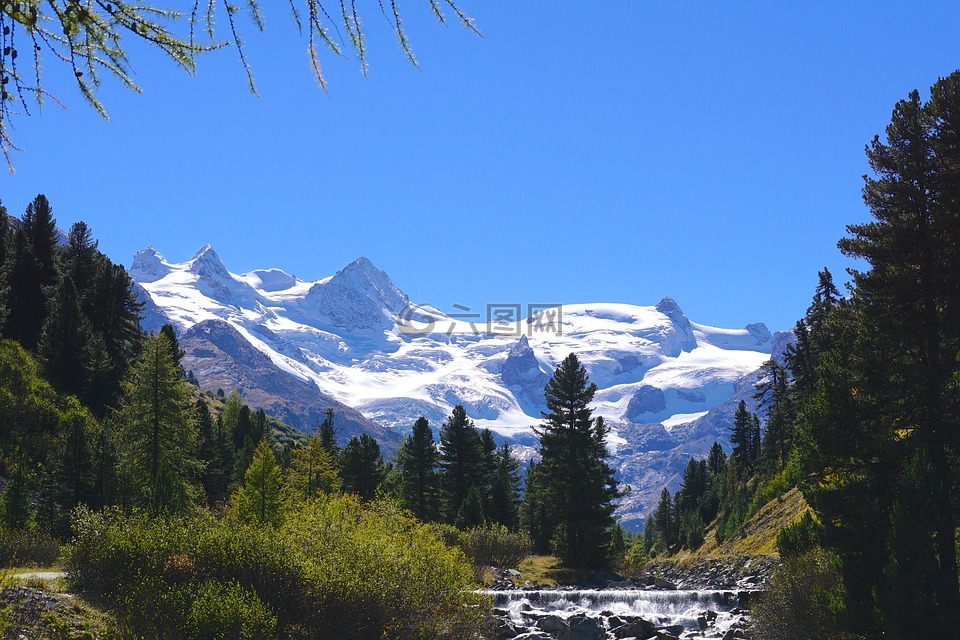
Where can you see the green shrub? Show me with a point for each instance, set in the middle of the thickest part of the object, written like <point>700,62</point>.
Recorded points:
<point>494,545</point>
<point>800,537</point>
<point>228,611</point>
<point>338,568</point>
<point>379,572</point>
<point>20,547</point>
<point>804,599</point>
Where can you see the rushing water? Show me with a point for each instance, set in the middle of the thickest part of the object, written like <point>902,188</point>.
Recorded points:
<point>663,608</point>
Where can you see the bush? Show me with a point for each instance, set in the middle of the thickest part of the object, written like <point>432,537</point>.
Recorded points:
<point>228,611</point>
<point>800,537</point>
<point>804,599</point>
<point>20,547</point>
<point>378,572</point>
<point>338,568</point>
<point>494,545</point>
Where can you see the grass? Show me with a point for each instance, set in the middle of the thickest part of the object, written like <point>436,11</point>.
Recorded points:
<point>757,537</point>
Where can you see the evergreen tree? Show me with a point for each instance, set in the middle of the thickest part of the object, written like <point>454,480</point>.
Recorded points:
<point>175,351</point>
<point>312,471</point>
<point>158,437</point>
<point>25,306</point>
<point>881,429</point>
<point>461,461</point>
<point>41,229</point>
<point>78,260</point>
<point>65,345</point>
<point>663,519</point>
<point>773,394</point>
<point>742,436</point>
<point>328,435</point>
<point>471,512</point>
<point>258,499</point>
<point>716,460</point>
<point>362,467</point>
<point>535,512</point>
<point>694,485</point>
<point>505,501</point>
<point>618,544</point>
<point>578,483</point>
<point>417,465</point>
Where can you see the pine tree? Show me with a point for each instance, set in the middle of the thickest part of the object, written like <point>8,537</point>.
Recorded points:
<point>362,468</point>
<point>663,519</point>
<point>505,493</point>
<point>41,229</point>
<point>578,483</point>
<point>78,260</point>
<point>886,389</point>
<point>312,471</point>
<point>4,286</point>
<point>417,465</point>
<point>716,460</point>
<point>25,298</point>
<point>773,395</point>
<point>65,347</point>
<point>258,499</point>
<point>742,436</point>
<point>461,461</point>
<point>158,436</point>
<point>175,351</point>
<point>535,512</point>
<point>471,513</point>
<point>328,435</point>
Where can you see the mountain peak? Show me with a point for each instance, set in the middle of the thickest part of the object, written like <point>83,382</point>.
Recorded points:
<point>669,307</point>
<point>148,265</point>
<point>206,262</point>
<point>359,296</point>
<point>204,250</point>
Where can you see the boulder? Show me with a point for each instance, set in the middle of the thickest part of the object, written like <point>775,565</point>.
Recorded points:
<point>582,627</point>
<point>639,628</point>
<point>660,583</point>
<point>552,624</point>
<point>505,631</point>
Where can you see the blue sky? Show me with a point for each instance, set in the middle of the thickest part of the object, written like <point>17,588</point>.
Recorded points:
<point>579,152</point>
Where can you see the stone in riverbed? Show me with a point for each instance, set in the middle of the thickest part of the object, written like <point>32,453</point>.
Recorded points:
<point>582,627</point>
<point>552,624</point>
<point>660,583</point>
<point>639,628</point>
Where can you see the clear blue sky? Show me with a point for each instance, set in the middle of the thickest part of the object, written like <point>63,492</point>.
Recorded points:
<point>582,151</point>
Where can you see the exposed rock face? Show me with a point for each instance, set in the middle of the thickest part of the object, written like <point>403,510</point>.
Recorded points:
<point>669,307</point>
<point>645,400</point>
<point>220,357</point>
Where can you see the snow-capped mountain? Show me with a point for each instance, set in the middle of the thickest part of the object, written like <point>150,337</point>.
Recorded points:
<point>665,383</point>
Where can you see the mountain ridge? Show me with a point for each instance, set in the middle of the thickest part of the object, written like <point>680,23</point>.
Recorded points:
<point>359,341</point>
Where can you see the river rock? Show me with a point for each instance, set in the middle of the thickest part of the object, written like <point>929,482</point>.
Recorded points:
<point>534,635</point>
<point>661,583</point>
<point>552,624</point>
<point>505,630</point>
<point>639,628</point>
<point>582,627</point>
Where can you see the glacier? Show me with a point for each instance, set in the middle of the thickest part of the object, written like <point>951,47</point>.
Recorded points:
<point>667,386</point>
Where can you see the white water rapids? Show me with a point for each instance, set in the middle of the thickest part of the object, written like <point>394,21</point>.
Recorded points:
<point>663,608</point>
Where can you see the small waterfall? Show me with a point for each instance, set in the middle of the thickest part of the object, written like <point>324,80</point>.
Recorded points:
<point>663,608</point>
